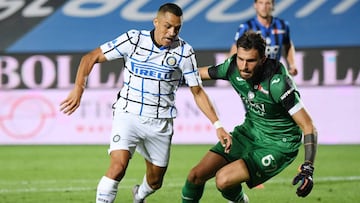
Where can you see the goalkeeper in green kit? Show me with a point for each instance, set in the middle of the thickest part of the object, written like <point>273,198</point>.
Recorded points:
<point>270,137</point>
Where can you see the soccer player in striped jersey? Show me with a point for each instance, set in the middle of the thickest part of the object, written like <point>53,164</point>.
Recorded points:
<point>156,63</point>
<point>269,138</point>
<point>276,32</point>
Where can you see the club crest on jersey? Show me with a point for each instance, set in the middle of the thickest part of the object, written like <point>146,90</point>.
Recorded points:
<point>261,89</point>
<point>251,95</point>
<point>171,61</point>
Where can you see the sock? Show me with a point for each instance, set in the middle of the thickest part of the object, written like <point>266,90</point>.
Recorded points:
<point>234,194</point>
<point>106,190</point>
<point>192,193</point>
<point>144,189</point>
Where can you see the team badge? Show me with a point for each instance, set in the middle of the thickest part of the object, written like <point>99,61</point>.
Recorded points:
<point>171,61</point>
<point>251,95</point>
<point>116,138</point>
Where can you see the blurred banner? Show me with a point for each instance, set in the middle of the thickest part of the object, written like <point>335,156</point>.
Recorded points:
<point>80,25</point>
<point>42,42</point>
<point>33,85</point>
<point>33,117</point>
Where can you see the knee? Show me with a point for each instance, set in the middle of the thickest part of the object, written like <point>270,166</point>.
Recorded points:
<point>222,181</point>
<point>195,177</point>
<point>116,171</point>
<point>155,180</point>
<point>155,184</point>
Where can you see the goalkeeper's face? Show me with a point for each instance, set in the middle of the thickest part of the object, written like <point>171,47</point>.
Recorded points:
<point>167,28</point>
<point>248,62</point>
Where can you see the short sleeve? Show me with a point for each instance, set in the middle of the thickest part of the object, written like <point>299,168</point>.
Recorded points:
<point>120,46</point>
<point>283,90</point>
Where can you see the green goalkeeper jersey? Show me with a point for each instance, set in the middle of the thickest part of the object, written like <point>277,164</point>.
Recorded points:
<point>269,99</point>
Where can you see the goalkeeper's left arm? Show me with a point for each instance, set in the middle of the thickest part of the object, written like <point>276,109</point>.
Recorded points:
<point>305,176</point>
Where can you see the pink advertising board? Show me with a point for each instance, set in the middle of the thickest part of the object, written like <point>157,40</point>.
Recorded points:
<point>33,116</point>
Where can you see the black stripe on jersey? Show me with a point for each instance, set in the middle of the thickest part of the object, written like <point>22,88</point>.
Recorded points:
<point>127,92</point>
<point>276,36</point>
<point>128,39</point>
<point>142,103</point>
<point>136,44</point>
<point>158,101</point>
<point>250,25</point>
<point>283,26</point>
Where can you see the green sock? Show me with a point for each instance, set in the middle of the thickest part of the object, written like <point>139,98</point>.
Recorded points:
<point>191,193</point>
<point>234,194</point>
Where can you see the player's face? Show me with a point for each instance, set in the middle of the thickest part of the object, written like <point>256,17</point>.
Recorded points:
<point>248,61</point>
<point>167,28</point>
<point>264,8</point>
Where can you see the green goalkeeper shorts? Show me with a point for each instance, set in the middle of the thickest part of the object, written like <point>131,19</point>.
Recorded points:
<point>263,160</point>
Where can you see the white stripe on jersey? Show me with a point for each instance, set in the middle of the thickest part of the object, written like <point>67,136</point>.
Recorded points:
<point>152,75</point>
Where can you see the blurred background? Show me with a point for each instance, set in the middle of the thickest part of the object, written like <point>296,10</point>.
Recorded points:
<point>42,41</point>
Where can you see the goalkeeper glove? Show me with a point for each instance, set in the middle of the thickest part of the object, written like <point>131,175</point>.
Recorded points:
<point>305,176</point>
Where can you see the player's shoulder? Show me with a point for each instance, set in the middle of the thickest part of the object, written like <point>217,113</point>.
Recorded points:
<point>245,24</point>
<point>281,84</point>
<point>280,76</point>
<point>135,32</point>
<point>281,21</point>
<point>180,43</point>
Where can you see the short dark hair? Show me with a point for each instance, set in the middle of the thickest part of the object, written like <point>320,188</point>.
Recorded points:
<point>251,39</point>
<point>172,8</point>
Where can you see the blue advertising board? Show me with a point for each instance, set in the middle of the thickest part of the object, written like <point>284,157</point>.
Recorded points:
<point>81,25</point>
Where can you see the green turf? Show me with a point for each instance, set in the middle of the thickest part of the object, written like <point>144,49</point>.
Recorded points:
<point>32,174</point>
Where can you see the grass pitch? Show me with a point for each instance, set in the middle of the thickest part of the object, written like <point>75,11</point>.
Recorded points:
<point>60,174</point>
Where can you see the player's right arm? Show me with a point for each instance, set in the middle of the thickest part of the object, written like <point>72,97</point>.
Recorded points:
<point>72,102</point>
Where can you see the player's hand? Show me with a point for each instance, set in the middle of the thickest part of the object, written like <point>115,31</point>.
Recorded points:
<point>225,139</point>
<point>72,102</point>
<point>305,176</point>
<point>293,71</point>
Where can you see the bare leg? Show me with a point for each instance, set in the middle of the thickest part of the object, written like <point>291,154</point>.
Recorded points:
<point>108,185</point>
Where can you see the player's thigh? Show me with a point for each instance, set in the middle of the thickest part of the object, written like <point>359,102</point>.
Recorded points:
<point>265,163</point>
<point>232,174</point>
<point>124,132</point>
<point>156,144</point>
<point>206,168</point>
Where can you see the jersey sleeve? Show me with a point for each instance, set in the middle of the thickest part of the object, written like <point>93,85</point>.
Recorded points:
<point>190,71</point>
<point>283,91</point>
<point>121,46</point>
<point>220,71</point>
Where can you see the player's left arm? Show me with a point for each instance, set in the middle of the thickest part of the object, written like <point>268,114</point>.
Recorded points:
<point>203,102</point>
<point>305,176</point>
<point>283,90</point>
<point>305,122</point>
